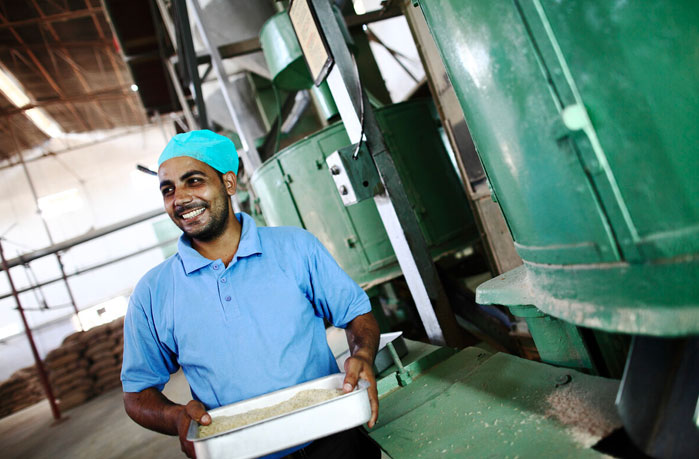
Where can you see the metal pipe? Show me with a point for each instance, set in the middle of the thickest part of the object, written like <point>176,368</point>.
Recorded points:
<point>48,233</point>
<point>71,297</point>
<point>93,267</point>
<point>249,152</point>
<point>167,20</point>
<point>180,95</point>
<point>90,235</point>
<point>163,49</point>
<point>186,47</point>
<point>39,365</point>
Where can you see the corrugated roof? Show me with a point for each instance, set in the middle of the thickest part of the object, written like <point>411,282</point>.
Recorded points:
<point>65,56</point>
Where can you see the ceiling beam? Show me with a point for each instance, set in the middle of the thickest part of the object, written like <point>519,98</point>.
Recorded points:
<point>252,45</point>
<point>67,16</point>
<point>117,93</point>
<point>92,44</point>
<point>17,140</point>
<point>111,53</point>
<point>77,71</point>
<point>46,75</point>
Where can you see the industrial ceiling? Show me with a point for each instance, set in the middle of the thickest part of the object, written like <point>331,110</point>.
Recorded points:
<point>69,64</point>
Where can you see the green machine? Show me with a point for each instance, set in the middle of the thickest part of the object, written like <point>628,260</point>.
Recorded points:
<point>286,64</point>
<point>475,403</point>
<point>295,186</point>
<point>584,115</point>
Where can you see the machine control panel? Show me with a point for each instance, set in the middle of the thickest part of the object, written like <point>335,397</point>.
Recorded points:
<point>355,176</point>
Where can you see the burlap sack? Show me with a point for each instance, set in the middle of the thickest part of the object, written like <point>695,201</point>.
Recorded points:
<point>79,385</point>
<point>68,378</point>
<point>73,400</point>
<point>63,360</point>
<point>98,348</point>
<point>74,338</point>
<point>106,361</point>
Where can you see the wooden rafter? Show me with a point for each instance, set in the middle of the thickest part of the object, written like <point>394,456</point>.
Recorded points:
<point>115,65</point>
<point>46,74</point>
<point>10,129</point>
<point>65,16</point>
<point>92,44</point>
<point>116,93</point>
<point>57,6</point>
<point>86,87</point>
<point>63,53</point>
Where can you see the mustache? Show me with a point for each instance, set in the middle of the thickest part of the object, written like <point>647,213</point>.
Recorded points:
<point>190,206</point>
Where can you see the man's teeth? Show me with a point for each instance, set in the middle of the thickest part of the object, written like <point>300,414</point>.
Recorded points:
<point>193,213</point>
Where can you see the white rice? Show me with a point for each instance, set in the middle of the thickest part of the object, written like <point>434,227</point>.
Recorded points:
<point>301,399</point>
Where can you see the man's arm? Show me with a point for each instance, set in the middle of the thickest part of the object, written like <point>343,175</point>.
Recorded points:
<point>363,338</point>
<point>151,409</point>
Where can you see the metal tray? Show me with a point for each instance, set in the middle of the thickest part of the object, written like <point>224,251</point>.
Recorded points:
<point>285,431</point>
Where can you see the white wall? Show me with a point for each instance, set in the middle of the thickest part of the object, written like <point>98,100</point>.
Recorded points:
<point>108,189</point>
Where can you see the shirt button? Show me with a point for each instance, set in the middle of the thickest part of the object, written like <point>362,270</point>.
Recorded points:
<point>215,266</point>
<point>228,298</point>
<point>223,279</point>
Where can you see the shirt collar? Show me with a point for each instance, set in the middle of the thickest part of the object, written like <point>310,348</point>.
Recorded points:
<point>249,245</point>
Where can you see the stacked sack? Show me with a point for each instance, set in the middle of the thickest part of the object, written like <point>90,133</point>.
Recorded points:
<point>21,390</point>
<point>104,349</point>
<point>86,364</point>
<point>67,369</point>
<point>118,336</point>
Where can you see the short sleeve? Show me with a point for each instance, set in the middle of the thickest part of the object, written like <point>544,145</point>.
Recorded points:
<point>147,362</point>
<point>334,294</point>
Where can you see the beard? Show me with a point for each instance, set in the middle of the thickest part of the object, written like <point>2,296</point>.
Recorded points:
<point>213,229</point>
<point>219,213</point>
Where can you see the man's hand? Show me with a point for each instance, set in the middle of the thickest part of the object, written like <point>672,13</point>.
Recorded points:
<point>363,339</point>
<point>191,411</point>
<point>151,409</point>
<point>359,367</point>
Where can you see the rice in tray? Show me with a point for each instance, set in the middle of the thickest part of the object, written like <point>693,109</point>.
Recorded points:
<point>301,399</point>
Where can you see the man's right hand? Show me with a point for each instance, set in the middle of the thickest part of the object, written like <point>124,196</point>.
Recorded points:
<point>196,411</point>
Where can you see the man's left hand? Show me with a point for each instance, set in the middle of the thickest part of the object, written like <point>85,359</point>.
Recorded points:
<point>357,366</point>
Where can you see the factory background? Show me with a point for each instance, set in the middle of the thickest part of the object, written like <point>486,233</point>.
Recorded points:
<point>532,231</point>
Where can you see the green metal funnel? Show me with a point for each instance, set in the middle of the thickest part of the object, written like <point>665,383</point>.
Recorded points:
<point>585,117</point>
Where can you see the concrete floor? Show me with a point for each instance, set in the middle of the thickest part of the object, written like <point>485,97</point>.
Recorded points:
<point>98,429</point>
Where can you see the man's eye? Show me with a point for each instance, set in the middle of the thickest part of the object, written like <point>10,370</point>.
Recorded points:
<point>166,191</point>
<point>194,180</point>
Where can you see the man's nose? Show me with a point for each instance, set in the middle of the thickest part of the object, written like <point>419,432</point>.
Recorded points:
<point>182,196</point>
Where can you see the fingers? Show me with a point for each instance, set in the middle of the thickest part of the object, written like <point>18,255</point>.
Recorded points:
<point>353,367</point>
<point>367,373</point>
<point>186,446</point>
<point>374,402</point>
<point>196,410</point>
<point>357,368</point>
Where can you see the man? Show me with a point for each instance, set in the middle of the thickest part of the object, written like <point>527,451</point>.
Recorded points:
<point>239,308</point>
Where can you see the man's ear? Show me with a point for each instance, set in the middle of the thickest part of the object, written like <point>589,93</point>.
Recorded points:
<point>230,181</point>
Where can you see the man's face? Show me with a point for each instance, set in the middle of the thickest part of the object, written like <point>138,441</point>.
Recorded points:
<point>196,197</point>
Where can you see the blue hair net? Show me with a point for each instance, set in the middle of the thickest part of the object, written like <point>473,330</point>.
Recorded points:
<point>206,146</point>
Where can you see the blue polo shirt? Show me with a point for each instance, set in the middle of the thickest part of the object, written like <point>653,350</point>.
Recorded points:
<point>243,330</point>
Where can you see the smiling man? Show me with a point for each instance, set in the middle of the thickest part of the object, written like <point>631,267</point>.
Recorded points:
<point>239,308</point>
